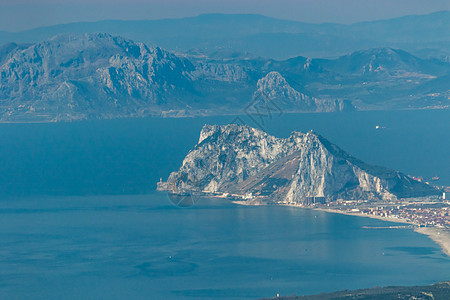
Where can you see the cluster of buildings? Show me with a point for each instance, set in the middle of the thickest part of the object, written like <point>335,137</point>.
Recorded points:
<point>418,213</point>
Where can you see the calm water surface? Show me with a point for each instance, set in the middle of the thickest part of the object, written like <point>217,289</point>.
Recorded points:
<point>130,156</point>
<point>143,247</point>
<point>58,240</point>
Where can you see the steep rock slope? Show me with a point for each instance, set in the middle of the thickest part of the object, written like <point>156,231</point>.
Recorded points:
<point>242,160</point>
<point>74,76</point>
<point>277,89</point>
<point>98,76</point>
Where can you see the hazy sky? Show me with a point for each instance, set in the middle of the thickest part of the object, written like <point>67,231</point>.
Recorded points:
<point>17,15</point>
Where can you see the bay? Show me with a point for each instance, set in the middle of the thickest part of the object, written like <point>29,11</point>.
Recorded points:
<point>144,247</point>
<point>80,218</point>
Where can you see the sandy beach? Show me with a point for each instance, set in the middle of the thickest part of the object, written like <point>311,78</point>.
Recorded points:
<point>388,219</point>
<point>439,235</point>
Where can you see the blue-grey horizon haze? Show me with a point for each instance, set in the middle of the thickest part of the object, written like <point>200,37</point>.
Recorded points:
<point>17,15</point>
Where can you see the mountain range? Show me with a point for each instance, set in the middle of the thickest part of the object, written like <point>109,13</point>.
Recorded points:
<point>97,75</point>
<point>424,35</point>
<point>248,163</point>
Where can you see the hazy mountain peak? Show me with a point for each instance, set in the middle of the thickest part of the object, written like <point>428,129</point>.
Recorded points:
<point>273,78</point>
<point>265,36</point>
<point>98,75</point>
<point>276,88</point>
<point>386,61</point>
<point>91,74</point>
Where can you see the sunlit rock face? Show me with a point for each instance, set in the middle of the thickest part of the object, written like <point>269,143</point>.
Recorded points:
<point>242,160</point>
<point>99,76</point>
<point>82,75</point>
<point>277,89</point>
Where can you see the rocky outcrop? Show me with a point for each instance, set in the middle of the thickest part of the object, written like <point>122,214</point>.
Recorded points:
<point>242,160</point>
<point>99,76</point>
<point>90,75</point>
<point>219,72</point>
<point>277,89</point>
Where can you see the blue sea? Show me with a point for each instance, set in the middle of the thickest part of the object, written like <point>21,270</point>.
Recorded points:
<point>80,218</point>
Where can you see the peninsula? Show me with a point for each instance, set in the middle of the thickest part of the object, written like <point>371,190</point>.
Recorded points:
<point>251,167</point>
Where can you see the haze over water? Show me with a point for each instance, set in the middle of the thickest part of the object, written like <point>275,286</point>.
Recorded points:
<point>142,246</point>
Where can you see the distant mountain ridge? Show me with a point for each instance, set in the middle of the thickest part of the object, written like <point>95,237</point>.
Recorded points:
<point>241,160</point>
<point>75,76</point>
<point>82,76</point>
<point>98,76</point>
<point>265,36</point>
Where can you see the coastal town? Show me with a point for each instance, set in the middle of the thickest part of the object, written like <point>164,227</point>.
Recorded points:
<point>427,215</point>
<point>421,212</point>
<point>430,211</point>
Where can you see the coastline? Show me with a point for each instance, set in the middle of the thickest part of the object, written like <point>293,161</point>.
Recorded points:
<point>440,236</point>
<point>387,219</point>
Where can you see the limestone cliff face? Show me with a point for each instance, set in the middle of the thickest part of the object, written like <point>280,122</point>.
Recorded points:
<point>278,90</point>
<point>228,155</point>
<point>219,72</point>
<point>76,76</point>
<point>241,160</point>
